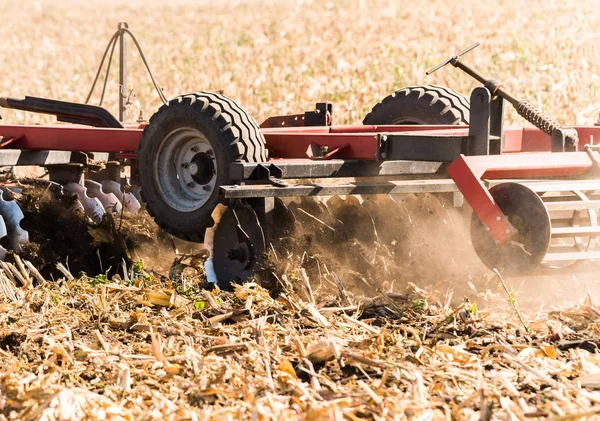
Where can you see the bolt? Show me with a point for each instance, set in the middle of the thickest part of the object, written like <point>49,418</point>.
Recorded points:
<point>185,165</point>
<point>194,149</point>
<point>209,152</point>
<point>206,187</point>
<point>508,231</point>
<point>498,218</point>
<point>488,229</point>
<point>191,184</point>
<point>214,171</point>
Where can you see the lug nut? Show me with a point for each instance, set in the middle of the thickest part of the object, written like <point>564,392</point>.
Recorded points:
<point>206,187</point>
<point>498,218</point>
<point>185,165</point>
<point>194,149</point>
<point>191,184</point>
<point>209,152</point>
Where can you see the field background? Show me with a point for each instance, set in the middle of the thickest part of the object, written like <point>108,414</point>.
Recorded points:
<point>283,56</point>
<point>142,348</point>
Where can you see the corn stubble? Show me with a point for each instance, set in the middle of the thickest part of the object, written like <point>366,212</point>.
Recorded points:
<point>332,344</point>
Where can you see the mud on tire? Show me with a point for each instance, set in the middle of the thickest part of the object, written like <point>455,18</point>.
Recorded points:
<point>426,104</point>
<point>184,158</point>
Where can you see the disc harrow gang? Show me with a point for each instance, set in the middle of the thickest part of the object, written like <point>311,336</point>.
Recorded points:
<point>377,196</point>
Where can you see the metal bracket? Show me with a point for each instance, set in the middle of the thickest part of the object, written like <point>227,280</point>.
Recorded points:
<point>268,172</point>
<point>479,127</point>
<point>590,149</point>
<point>321,116</point>
<point>562,140</point>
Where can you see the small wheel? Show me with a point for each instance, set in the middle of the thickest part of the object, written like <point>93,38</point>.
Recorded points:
<point>525,250</point>
<point>185,155</point>
<point>427,104</point>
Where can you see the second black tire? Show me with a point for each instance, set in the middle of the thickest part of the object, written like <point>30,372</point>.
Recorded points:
<point>424,105</point>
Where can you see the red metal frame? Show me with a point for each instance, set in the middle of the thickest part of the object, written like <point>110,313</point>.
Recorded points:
<point>72,137</point>
<point>469,171</point>
<point>283,142</point>
<point>352,142</point>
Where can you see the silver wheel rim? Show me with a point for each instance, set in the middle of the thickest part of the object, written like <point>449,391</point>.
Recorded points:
<point>185,169</point>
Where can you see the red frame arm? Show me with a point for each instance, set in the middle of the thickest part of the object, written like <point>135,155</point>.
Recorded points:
<point>468,172</point>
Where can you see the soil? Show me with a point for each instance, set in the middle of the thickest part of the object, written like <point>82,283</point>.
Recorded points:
<point>377,243</point>
<point>60,232</point>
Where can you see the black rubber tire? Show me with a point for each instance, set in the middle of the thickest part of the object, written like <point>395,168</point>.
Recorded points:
<point>232,133</point>
<point>426,104</point>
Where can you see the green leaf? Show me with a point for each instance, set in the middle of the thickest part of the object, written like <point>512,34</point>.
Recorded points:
<point>138,267</point>
<point>199,305</point>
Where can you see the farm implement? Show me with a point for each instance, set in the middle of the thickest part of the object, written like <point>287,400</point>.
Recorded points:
<point>207,172</point>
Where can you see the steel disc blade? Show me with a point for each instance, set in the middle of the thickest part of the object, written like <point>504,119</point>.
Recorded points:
<point>313,219</point>
<point>238,245</point>
<point>128,200</point>
<point>13,215</point>
<point>92,206</point>
<point>109,201</point>
<point>284,221</point>
<point>526,249</point>
<point>391,219</point>
<point>356,219</point>
<point>3,233</point>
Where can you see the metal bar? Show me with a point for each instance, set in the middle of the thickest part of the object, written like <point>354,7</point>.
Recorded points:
<point>295,145</point>
<point>333,189</point>
<point>497,138</point>
<point>345,129</point>
<point>565,257</point>
<point>122,70</point>
<point>557,164</point>
<point>17,157</point>
<point>66,112</point>
<point>73,138</point>
<point>479,129</point>
<point>468,180</point>
<point>563,232</point>
<point>572,205</point>
<point>307,168</point>
<point>423,146</point>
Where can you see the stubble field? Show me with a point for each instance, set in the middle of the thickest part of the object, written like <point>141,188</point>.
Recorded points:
<point>460,346</point>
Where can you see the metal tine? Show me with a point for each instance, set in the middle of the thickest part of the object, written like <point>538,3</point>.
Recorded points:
<point>91,205</point>
<point>128,199</point>
<point>13,215</point>
<point>109,201</point>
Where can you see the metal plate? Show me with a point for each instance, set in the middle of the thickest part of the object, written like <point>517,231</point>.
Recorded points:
<point>239,245</point>
<point>525,250</point>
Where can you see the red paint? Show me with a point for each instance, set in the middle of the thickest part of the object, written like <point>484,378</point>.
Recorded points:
<point>295,145</point>
<point>71,137</point>
<point>468,172</point>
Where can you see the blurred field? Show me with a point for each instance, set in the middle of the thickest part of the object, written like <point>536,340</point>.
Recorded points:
<point>282,56</point>
<point>142,346</point>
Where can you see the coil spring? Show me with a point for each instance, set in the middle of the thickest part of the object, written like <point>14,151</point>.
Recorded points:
<point>537,118</point>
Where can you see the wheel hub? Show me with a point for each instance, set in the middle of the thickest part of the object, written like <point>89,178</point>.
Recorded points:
<point>186,169</point>
<point>202,168</point>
